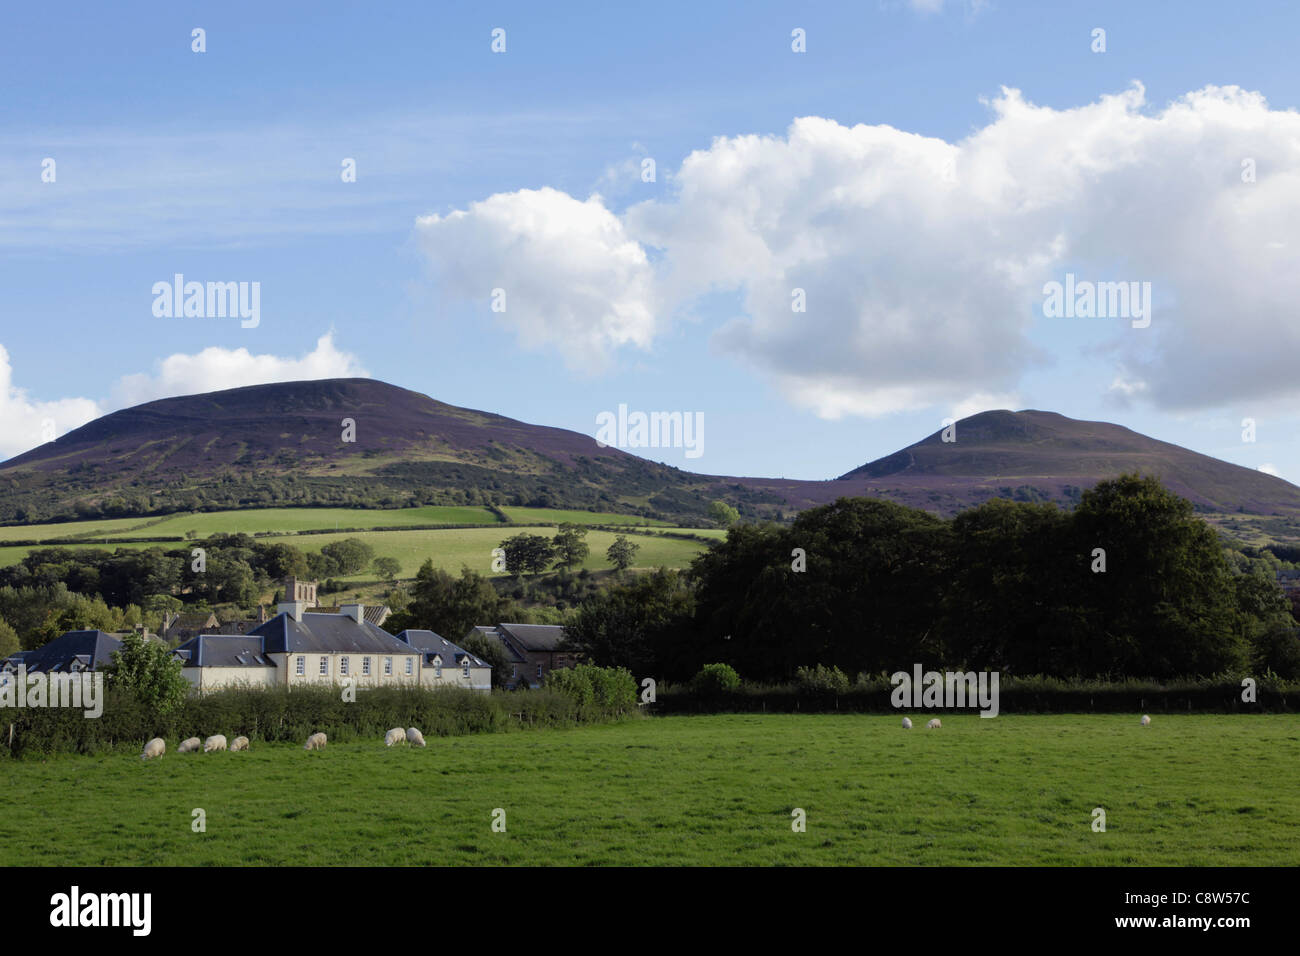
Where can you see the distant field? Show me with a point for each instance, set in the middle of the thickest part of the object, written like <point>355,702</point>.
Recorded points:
<point>720,790</point>
<point>102,527</point>
<point>311,519</point>
<point>528,515</point>
<point>287,520</point>
<point>450,548</point>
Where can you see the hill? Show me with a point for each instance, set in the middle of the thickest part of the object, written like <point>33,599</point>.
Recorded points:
<point>287,445</point>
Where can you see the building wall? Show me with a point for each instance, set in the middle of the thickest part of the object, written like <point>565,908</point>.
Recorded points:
<point>220,678</point>
<point>288,663</point>
<point>480,678</point>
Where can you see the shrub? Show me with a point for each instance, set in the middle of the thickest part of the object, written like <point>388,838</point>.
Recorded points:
<point>821,680</point>
<point>716,679</point>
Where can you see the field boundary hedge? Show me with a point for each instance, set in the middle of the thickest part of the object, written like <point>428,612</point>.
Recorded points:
<point>282,715</point>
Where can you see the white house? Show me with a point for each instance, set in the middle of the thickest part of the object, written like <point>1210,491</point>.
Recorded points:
<point>299,648</point>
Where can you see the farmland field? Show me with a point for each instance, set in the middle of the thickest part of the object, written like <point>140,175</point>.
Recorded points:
<point>449,548</point>
<point>1015,790</point>
<point>452,547</point>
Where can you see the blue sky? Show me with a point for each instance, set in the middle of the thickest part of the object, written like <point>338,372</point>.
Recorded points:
<point>924,294</point>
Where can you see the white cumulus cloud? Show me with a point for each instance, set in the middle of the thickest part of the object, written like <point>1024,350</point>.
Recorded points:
<point>217,368</point>
<point>26,423</point>
<point>920,263</point>
<point>572,277</point>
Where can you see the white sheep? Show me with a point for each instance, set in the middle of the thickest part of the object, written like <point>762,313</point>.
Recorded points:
<point>907,723</point>
<point>154,748</point>
<point>189,745</point>
<point>934,724</point>
<point>413,736</point>
<point>215,742</point>
<point>239,743</point>
<point>1146,719</point>
<point>315,742</point>
<point>395,736</point>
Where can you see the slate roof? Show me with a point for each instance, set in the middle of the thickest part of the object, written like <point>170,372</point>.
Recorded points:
<point>325,634</point>
<point>92,649</point>
<point>534,637</point>
<point>435,644</point>
<point>223,650</point>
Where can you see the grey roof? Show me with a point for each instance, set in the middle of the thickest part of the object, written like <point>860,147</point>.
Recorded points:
<point>534,637</point>
<point>223,650</point>
<point>492,634</point>
<point>435,644</point>
<point>325,633</point>
<point>92,649</point>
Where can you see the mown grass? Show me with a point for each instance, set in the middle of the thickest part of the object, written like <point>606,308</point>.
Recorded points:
<point>1015,790</point>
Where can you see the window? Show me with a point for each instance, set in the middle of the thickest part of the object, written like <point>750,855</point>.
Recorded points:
<point>343,666</point>
<point>465,671</point>
<point>365,666</point>
<point>301,666</point>
<point>410,666</point>
<point>388,666</point>
<point>324,666</point>
<point>539,671</point>
<point>437,669</point>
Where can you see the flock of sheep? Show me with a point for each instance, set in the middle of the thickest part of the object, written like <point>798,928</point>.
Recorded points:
<point>157,747</point>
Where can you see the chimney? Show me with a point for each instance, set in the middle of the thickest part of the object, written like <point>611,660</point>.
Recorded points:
<point>293,608</point>
<point>354,611</point>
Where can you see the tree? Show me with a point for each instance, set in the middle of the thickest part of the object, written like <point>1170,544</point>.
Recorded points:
<point>351,555</point>
<point>622,552</point>
<point>448,605</point>
<point>528,553</point>
<point>723,513</point>
<point>492,651</point>
<point>570,544</point>
<point>8,640</point>
<point>151,672</point>
<point>634,625</point>
<point>387,568</point>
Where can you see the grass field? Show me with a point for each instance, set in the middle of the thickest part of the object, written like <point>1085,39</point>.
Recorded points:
<point>449,548</point>
<point>452,547</point>
<point>526,515</point>
<point>720,790</point>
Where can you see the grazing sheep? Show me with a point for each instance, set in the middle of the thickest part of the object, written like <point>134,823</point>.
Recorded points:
<point>215,742</point>
<point>934,724</point>
<point>315,742</point>
<point>907,723</point>
<point>154,748</point>
<point>413,736</point>
<point>189,745</point>
<point>395,736</point>
<point>239,743</point>
<point>1146,719</point>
